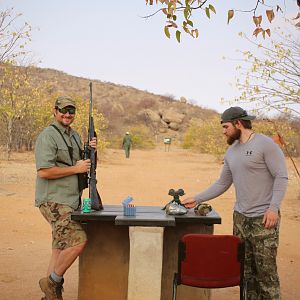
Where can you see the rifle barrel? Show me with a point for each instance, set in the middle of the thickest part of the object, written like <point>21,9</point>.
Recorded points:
<point>93,193</point>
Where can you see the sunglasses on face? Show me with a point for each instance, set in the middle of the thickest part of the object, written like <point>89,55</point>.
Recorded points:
<point>64,110</point>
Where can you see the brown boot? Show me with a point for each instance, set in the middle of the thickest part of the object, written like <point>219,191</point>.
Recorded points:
<point>53,290</point>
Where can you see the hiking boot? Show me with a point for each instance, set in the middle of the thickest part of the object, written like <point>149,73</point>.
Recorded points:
<point>53,290</point>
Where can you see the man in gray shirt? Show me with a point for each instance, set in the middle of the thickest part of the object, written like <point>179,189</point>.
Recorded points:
<point>256,167</point>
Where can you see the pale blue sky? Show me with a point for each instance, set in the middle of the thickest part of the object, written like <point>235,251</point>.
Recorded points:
<point>109,41</point>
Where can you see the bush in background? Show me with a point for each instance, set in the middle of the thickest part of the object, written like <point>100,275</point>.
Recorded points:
<point>284,128</point>
<point>142,138</point>
<point>207,137</point>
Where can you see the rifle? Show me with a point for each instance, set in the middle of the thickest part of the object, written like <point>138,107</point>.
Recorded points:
<point>90,153</point>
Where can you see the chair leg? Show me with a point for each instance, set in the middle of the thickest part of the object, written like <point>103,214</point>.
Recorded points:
<point>174,286</point>
<point>245,288</point>
<point>243,291</point>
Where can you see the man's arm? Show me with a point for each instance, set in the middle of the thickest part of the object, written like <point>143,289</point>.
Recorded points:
<point>215,190</point>
<point>275,162</point>
<point>82,166</point>
<point>46,167</point>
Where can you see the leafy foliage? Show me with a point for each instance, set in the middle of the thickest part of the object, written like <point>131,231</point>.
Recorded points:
<point>13,37</point>
<point>180,13</point>
<point>25,109</point>
<point>142,137</point>
<point>82,119</point>
<point>206,136</point>
<point>272,80</point>
<point>22,108</point>
<point>284,128</point>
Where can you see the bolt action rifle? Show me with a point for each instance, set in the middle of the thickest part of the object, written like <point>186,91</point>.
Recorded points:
<point>90,153</point>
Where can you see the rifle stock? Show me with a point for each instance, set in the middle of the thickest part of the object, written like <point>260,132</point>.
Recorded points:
<point>96,202</point>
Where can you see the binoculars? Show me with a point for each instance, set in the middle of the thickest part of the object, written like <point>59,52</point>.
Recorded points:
<point>176,194</point>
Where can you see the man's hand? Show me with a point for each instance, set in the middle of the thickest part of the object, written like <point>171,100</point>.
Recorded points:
<point>270,219</point>
<point>189,202</point>
<point>83,166</point>
<point>93,143</point>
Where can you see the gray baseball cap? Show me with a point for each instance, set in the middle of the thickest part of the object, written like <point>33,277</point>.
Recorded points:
<point>64,101</point>
<point>235,113</point>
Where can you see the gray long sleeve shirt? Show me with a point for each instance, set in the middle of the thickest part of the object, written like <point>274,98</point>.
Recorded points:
<point>258,171</point>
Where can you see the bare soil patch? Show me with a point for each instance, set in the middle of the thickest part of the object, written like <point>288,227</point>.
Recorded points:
<point>147,176</point>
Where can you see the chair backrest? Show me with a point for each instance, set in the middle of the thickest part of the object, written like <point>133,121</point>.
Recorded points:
<point>210,261</point>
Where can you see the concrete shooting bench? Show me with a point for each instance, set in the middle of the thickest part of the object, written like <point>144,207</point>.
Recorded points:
<point>135,257</point>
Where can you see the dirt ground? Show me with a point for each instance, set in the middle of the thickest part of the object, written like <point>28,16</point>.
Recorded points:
<point>147,176</point>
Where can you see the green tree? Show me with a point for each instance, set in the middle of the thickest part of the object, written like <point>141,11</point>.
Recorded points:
<point>180,14</point>
<point>272,80</point>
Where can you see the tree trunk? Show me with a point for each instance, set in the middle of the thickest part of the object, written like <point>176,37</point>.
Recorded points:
<point>9,139</point>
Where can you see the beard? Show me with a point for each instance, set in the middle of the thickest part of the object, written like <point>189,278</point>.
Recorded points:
<point>235,136</point>
<point>65,121</point>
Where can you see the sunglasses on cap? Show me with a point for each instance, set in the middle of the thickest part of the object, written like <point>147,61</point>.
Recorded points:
<point>64,110</point>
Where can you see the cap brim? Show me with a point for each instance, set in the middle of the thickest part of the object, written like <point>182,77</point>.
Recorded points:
<point>248,118</point>
<point>66,105</point>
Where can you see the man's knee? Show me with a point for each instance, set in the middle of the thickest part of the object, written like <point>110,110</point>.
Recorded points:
<point>80,247</point>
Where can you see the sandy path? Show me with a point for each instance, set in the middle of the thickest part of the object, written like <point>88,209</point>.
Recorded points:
<point>147,176</point>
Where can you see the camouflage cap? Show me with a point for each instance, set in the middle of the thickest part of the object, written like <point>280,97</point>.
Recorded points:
<point>235,113</point>
<point>64,101</point>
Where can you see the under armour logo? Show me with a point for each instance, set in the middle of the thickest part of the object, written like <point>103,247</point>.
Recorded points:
<point>248,153</point>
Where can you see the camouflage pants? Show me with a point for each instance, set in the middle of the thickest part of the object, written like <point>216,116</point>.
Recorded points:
<point>65,232</point>
<point>260,257</point>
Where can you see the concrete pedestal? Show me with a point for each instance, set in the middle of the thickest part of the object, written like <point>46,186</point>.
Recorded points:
<point>104,264</point>
<point>134,258</point>
<point>145,263</point>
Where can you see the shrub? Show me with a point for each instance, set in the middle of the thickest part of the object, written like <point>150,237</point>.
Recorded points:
<point>284,128</point>
<point>142,137</point>
<point>205,137</point>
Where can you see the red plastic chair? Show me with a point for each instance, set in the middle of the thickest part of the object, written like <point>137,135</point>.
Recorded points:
<point>210,261</point>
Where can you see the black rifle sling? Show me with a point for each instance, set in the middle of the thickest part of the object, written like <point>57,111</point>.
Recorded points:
<point>80,150</point>
<point>69,148</point>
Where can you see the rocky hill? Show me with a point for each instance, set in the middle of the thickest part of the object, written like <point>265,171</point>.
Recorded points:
<point>125,106</point>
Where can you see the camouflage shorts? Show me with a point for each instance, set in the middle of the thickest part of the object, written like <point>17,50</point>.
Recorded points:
<point>65,232</point>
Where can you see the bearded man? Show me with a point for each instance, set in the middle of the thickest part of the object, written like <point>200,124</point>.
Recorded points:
<point>255,165</point>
